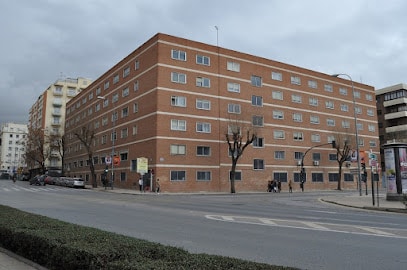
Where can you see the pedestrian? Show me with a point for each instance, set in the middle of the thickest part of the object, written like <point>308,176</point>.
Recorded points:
<point>274,185</point>
<point>302,186</point>
<point>279,186</point>
<point>290,186</point>
<point>157,186</point>
<point>140,184</point>
<point>269,186</point>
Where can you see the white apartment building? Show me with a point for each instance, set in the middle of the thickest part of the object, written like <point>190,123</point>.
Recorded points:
<point>48,112</point>
<point>13,138</point>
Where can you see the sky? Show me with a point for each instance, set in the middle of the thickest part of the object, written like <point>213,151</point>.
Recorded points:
<point>46,40</point>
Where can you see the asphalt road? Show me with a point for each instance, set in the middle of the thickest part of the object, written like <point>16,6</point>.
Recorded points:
<point>283,229</point>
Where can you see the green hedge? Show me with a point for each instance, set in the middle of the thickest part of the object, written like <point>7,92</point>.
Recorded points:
<point>58,245</point>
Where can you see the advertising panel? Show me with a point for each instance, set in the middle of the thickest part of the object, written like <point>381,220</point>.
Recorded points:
<point>403,169</point>
<point>390,170</point>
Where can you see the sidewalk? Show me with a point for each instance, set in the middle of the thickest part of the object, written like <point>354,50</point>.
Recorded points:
<point>11,261</point>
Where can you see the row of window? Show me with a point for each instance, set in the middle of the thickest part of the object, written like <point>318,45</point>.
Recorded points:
<point>255,80</point>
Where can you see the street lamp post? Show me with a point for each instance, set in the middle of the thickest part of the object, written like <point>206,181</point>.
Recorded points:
<point>356,127</point>
<point>113,140</point>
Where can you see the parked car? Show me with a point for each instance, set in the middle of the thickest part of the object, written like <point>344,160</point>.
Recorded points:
<point>25,177</point>
<point>50,180</point>
<point>38,180</point>
<point>74,182</point>
<point>5,176</point>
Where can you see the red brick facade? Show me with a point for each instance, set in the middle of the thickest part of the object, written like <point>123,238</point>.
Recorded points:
<point>281,107</point>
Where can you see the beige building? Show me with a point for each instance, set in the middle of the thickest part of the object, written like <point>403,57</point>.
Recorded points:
<point>173,101</point>
<point>48,112</point>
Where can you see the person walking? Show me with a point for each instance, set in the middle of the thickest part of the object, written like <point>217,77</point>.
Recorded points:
<point>140,184</point>
<point>302,186</point>
<point>279,186</point>
<point>290,186</point>
<point>157,186</point>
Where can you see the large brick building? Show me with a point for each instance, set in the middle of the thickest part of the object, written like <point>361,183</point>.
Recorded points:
<point>172,100</point>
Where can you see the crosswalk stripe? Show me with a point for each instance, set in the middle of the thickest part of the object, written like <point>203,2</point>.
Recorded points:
<point>375,231</point>
<point>314,225</point>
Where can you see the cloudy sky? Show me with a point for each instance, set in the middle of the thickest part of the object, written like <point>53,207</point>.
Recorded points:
<point>42,40</point>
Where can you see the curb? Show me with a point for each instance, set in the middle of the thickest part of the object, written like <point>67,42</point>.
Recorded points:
<point>393,210</point>
<point>22,259</point>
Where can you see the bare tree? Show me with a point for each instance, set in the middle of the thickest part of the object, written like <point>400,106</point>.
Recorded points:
<point>87,136</point>
<point>238,138</point>
<point>343,148</point>
<point>37,151</point>
<point>57,145</point>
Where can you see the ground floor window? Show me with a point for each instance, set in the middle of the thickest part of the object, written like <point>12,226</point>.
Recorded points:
<point>317,177</point>
<point>177,175</point>
<point>348,177</point>
<point>333,177</point>
<point>122,176</point>
<point>203,175</point>
<point>280,176</point>
<point>238,175</point>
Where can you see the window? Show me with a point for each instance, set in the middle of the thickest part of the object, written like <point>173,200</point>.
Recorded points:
<point>313,101</point>
<point>297,177</point>
<point>332,157</point>
<point>296,98</point>
<point>358,110</point>
<point>177,149</point>
<point>348,177</point>
<point>328,88</point>
<point>280,176</point>
<point>317,177</point>
<point>106,85</point>
<point>178,125</point>
<point>344,107</point>
<point>178,101</point>
<point>98,91</point>
<point>371,128</point>
<point>279,154</point>
<point>178,77</point>
<point>135,107</point>
<point>330,122</point>
<point>234,87</point>
<point>298,136</point>
<point>203,60</point>
<point>124,133</point>
<point>329,104</point>
<point>136,86</point>
<point>257,120</point>
<point>256,81</point>
<point>137,65</point>
<point>333,177</point>
<point>203,151</point>
<point>343,91</point>
<point>203,104</point>
<point>298,155</point>
<point>314,119</point>
<point>116,78</point>
<point>370,112</point>
<point>257,100</point>
<point>295,80</point>
<point>277,76</point>
<point>135,130</point>
<point>258,142</point>
<point>315,138</point>
<point>125,112</point>
<point>203,175</point>
<point>278,115</point>
<point>297,117</point>
<point>356,94</point>
<point>345,124</point>
<point>278,134</point>
<point>258,164</point>
<point>234,129</point>
<point>203,127</point>
<point>359,126</point>
<point>203,82</point>
<point>177,175</point>
<point>312,84</point>
<point>234,108</point>
<point>115,98</point>
<point>126,72</point>
<point>277,95</point>
<point>178,55</point>
<point>316,156</point>
<point>233,66</point>
<point>372,143</point>
<point>238,175</point>
<point>125,92</point>
<point>369,97</point>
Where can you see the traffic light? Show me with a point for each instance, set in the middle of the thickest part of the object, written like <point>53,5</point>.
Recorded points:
<point>364,172</point>
<point>106,169</point>
<point>333,144</point>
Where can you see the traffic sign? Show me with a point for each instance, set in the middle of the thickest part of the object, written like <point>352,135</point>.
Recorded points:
<point>108,160</point>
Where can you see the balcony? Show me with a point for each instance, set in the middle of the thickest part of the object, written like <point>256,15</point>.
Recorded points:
<point>396,129</point>
<point>395,115</point>
<point>395,102</point>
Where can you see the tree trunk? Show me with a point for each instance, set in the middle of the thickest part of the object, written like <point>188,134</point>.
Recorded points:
<point>232,176</point>
<point>340,176</point>
<point>92,172</point>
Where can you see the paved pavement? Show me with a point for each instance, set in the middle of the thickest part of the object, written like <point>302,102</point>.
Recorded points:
<point>9,260</point>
